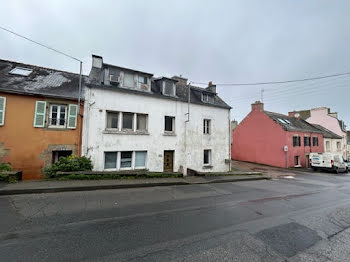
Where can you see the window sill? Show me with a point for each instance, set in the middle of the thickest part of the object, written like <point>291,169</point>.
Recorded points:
<point>169,133</point>
<point>297,166</point>
<point>125,132</point>
<point>207,166</point>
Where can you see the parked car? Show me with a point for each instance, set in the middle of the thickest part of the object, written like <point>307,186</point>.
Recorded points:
<point>329,162</point>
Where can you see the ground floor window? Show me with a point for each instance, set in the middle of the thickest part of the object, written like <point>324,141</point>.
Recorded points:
<point>207,157</point>
<point>60,153</point>
<point>296,160</point>
<point>125,160</point>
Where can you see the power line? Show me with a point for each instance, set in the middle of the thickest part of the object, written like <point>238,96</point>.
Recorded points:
<point>276,82</point>
<point>48,47</point>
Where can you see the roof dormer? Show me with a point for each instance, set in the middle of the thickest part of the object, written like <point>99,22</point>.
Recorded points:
<point>167,86</point>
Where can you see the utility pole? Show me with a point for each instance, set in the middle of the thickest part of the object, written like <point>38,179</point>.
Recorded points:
<point>262,95</point>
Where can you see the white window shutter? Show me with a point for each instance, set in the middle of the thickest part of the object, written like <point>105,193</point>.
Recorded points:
<point>40,114</point>
<point>72,116</point>
<point>2,110</point>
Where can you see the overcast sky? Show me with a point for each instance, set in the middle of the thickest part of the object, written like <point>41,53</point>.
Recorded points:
<point>222,41</point>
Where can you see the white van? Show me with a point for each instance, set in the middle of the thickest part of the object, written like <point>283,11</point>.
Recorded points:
<point>328,161</point>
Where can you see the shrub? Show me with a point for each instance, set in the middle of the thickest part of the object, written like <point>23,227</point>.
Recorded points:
<point>67,164</point>
<point>5,167</point>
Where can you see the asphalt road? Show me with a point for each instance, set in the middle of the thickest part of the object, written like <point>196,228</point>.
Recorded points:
<point>305,218</point>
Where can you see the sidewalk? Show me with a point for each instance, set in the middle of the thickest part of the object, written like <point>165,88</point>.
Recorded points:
<point>44,186</point>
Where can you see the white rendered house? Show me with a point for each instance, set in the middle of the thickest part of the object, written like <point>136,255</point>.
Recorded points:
<point>135,121</point>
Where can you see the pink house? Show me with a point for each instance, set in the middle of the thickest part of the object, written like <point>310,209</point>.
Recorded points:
<point>275,139</point>
<point>327,119</point>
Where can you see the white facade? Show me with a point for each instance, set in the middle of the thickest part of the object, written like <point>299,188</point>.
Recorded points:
<point>332,145</point>
<point>188,142</point>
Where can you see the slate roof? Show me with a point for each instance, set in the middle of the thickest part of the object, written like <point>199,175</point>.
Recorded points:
<point>294,124</point>
<point>42,81</point>
<point>96,76</point>
<point>327,133</point>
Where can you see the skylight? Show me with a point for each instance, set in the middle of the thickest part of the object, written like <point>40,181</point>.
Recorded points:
<point>21,71</point>
<point>284,121</point>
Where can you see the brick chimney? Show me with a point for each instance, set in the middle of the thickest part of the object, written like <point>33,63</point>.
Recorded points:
<point>180,80</point>
<point>97,61</point>
<point>258,106</point>
<point>211,87</point>
<point>294,114</point>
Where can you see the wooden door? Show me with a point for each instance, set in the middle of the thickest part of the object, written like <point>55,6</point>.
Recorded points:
<point>168,161</point>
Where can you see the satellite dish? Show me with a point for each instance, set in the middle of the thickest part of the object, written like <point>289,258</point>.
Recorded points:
<point>297,115</point>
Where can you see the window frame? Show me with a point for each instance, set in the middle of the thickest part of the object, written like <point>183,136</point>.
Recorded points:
<point>59,106</point>
<point>298,140</point>
<point>118,122</point>
<point>133,78</point>
<point>172,125</point>
<point>145,165</point>
<point>209,157</point>
<point>173,88</point>
<point>131,160</point>
<point>132,121</point>
<point>307,141</point>
<point>146,123</point>
<point>118,163</point>
<point>206,126</point>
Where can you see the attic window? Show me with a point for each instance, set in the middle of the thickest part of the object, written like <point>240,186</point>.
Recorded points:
<point>21,71</point>
<point>169,88</point>
<point>206,98</point>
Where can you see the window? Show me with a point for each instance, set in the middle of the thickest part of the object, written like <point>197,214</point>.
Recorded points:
<point>169,124</point>
<point>56,155</point>
<point>21,71</point>
<point>140,159</point>
<point>142,83</point>
<point>307,141</point>
<point>328,146</point>
<point>141,123</point>
<point>296,161</point>
<point>142,80</point>
<point>128,119</point>
<point>207,157</point>
<point>168,88</point>
<point>125,159</point>
<point>296,141</point>
<point>2,110</point>
<point>129,80</point>
<point>206,126</point>
<point>338,146</point>
<point>315,141</point>
<point>58,115</point>
<point>206,98</point>
<point>112,120</point>
<point>111,160</point>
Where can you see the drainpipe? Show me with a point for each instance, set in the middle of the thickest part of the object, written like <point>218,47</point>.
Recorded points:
<point>80,114</point>
<point>229,140</point>
<point>186,122</point>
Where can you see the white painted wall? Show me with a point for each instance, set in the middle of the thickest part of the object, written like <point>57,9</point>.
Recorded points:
<point>188,142</point>
<point>332,145</point>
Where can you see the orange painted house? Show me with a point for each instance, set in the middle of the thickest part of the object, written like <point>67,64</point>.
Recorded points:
<point>39,116</point>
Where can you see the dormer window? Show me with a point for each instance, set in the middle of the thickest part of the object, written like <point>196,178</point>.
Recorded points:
<point>207,98</point>
<point>129,80</point>
<point>142,83</point>
<point>169,88</point>
<point>21,71</point>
